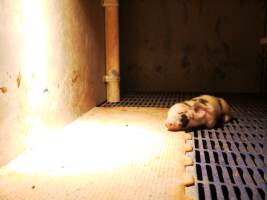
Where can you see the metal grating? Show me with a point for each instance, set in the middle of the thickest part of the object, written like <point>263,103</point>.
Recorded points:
<point>160,100</point>
<point>230,161</point>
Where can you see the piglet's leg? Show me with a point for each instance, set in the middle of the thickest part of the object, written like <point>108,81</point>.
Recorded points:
<point>211,123</point>
<point>226,118</point>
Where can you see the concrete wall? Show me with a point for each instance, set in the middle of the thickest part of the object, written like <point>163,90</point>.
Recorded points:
<point>191,45</point>
<point>51,66</point>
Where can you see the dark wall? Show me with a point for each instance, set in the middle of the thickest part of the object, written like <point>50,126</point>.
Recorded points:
<point>191,45</point>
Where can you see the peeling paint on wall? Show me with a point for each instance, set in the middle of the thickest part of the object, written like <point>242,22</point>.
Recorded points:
<point>3,89</point>
<point>18,80</point>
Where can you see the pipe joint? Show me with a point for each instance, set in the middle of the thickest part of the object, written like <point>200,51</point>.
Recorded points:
<point>111,78</point>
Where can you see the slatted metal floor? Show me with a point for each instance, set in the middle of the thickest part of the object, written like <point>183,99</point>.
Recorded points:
<point>230,160</point>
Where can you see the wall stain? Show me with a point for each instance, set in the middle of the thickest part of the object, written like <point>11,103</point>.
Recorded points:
<point>218,26</point>
<point>200,11</point>
<point>186,12</point>
<point>185,6</point>
<point>167,42</point>
<point>263,3</point>
<point>220,73</point>
<point>18,80</point>
<point>3,89</point>
<point>75,77</point>
<point>134,67</point>
<point>9,75</point>
<point>220,21</point>
<point>219,59</point>
<point>45,90</point>
<point>158,68</point>
<point>222,52</point>
<point>188,49</point>
<point>226,49</point>
<point>185,62</point>
<point>214,52</point>
<point>242,3</point>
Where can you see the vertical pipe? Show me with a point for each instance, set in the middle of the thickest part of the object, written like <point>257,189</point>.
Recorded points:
<point>112,77</point>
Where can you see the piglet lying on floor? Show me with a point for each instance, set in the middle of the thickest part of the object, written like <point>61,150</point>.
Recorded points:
<point>203,110</point>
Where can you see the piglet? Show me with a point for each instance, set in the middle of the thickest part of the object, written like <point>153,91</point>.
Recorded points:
<point>202,110</point>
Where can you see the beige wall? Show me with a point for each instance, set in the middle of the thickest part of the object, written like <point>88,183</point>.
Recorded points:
<point>51,66</point>
<point>191,45</point>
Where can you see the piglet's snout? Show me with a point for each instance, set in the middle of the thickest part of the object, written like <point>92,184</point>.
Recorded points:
<point>171,126</point>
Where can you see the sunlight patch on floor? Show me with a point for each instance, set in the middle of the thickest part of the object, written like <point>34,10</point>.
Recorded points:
<point>88,147</point>
<point>108,153</point>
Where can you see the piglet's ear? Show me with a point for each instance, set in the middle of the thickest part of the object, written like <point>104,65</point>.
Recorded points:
<point>199,111</point>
